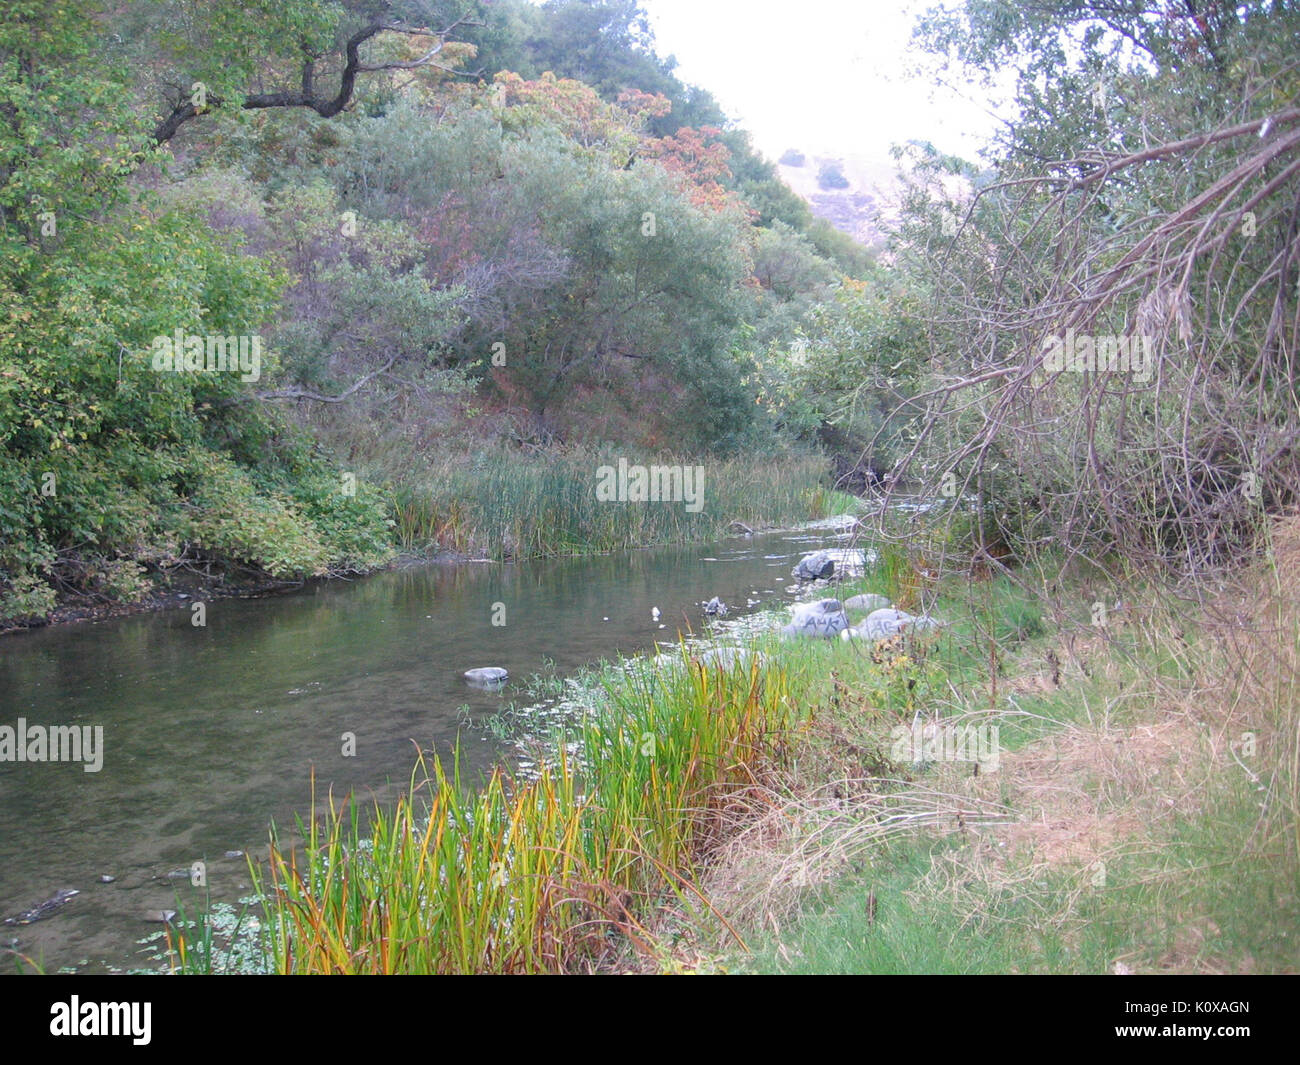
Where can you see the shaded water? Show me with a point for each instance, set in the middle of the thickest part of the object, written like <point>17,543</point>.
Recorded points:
<point>211,733</point>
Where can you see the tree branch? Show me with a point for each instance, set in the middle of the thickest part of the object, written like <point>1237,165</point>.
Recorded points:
<point>302,393</point>
<point>305,96</point>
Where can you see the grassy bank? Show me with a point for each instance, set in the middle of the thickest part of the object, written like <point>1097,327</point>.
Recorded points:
<point>500,504</point>
<point>1148,800</point>
<point>550,874</point>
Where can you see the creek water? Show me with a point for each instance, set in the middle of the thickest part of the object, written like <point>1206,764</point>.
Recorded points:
<point>212,733</point>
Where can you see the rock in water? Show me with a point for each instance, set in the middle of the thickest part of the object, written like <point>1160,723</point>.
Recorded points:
<point>487,676</point>
<point>833,562</point>
<point>867,602</point>
<point>817,566</point>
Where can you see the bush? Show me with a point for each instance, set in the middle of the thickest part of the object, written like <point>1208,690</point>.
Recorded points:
<point>26,599</point>
<point>229,519</point>
<point>830,176</point>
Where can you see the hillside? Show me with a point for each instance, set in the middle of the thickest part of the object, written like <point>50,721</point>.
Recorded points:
<point>864,208</point>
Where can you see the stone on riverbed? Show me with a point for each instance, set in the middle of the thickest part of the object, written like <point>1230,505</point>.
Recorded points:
<point>831,563</point>
<point>487,676</point>
<point>814,567</point>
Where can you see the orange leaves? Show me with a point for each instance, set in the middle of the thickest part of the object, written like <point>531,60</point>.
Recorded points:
<point>698,156</point>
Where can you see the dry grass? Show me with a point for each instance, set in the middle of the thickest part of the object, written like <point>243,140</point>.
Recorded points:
<point>1125,801</point>
<point>1086,794</point>
<point>805,840</point>
<point>1256,625</point>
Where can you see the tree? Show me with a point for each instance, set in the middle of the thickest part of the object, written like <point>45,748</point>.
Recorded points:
<point>1144,202</point>
<point>109,457</point>
<point>311,51</point>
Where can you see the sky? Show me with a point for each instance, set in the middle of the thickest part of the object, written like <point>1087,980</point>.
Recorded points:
<point>825,76</point>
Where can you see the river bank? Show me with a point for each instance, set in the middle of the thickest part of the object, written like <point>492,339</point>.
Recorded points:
<point>508,509</point>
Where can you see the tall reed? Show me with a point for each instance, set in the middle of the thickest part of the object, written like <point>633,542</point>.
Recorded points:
<point>530,876</point>
<point>526,508</point>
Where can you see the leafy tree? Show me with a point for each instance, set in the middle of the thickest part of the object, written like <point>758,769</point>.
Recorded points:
<point>104,454</point>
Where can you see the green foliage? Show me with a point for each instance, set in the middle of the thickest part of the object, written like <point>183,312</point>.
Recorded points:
<point>380,258</point>
<point>230,518</point>
<point>311,526</point>
<point>67,135</point>
<point>352,519</point>
<point>854,259</point>
<point>788,266</point>
<point>860,358</point>
<point>26,598</point>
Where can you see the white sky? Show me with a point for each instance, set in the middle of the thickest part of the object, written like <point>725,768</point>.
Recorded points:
<point>825,76</point>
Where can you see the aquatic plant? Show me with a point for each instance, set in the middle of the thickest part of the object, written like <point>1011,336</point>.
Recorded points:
<point>547,874</point>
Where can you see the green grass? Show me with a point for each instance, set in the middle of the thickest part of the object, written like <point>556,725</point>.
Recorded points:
<point>1202,898</point>
<point>877,925</point>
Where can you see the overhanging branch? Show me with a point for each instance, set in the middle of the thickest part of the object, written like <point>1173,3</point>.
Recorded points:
<point>305,95</point>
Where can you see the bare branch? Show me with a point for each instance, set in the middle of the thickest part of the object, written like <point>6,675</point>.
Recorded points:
<point>356,386</point>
